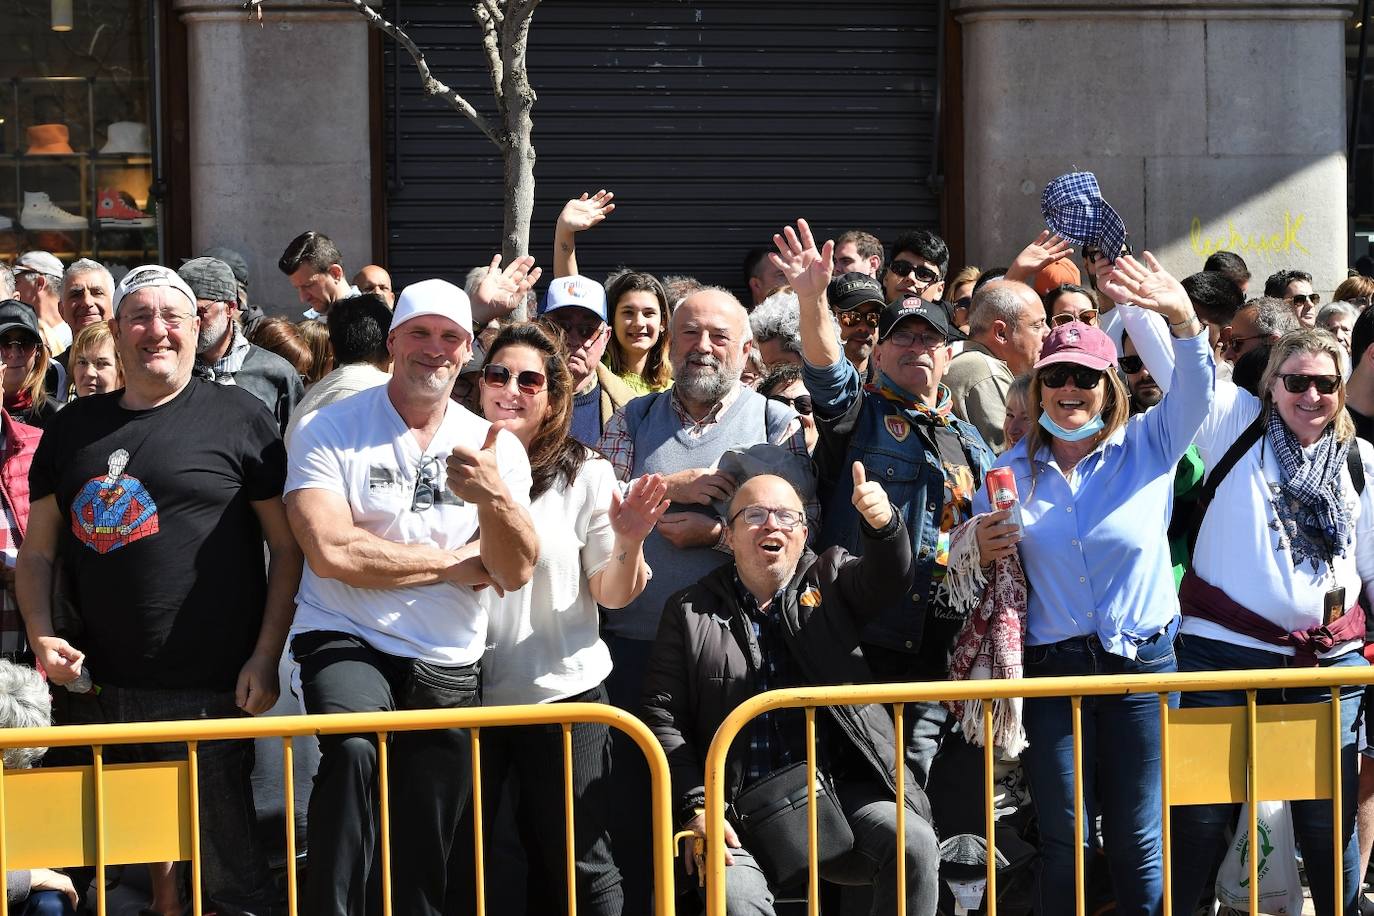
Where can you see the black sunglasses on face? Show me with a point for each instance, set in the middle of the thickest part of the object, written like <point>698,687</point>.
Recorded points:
<point>904,268</point>
<point>801,403</point>
<point>496,375</point>
<point>1057,376</point>
<point>1298,384</point>
<point>1131,364</point>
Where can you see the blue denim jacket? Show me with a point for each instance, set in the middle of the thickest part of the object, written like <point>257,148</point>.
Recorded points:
<point>855,426</point>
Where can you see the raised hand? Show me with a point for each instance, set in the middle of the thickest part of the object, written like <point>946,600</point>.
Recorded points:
<point>586,211</point>
<point>1102,269</point>
<point>634,516</point>
<point>1039,254</point>
<point>473,473</point>
<point>870,499</point>
<point>807,269</point>
<point>1153,287</point>
<point>502,291</point>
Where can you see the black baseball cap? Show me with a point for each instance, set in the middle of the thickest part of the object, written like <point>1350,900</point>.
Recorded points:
<point>932,313</point>
<point>15,314</point>
<point>851,290</point>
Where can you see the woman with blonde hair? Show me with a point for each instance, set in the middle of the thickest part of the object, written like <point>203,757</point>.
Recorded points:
<point>93,362</point>
<point>1091,478</point>
<point>1284,544</point>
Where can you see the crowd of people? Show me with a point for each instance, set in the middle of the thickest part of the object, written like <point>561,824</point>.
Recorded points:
<point>650,492</point>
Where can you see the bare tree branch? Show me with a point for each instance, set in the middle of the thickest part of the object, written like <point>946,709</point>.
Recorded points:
<point>494,11</point>
<point>491,46</point>
<point>431,85</point>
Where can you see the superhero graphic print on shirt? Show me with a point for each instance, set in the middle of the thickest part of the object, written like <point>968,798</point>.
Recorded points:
<point>115,510</point>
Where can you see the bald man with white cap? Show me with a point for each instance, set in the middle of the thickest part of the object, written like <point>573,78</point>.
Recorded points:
<point>407,505</point>
<point>167,487</point>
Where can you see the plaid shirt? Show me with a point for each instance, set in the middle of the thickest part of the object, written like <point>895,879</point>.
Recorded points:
<point>619,446</point>
<point>12,639</point>
<point>776,739</point>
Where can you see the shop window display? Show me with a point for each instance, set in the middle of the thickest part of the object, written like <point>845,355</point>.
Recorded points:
<point>76,147</point>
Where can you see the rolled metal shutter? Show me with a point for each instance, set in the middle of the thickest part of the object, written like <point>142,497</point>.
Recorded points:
<point>715,122</point>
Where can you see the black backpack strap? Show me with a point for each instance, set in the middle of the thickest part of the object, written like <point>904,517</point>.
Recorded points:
<point>1247,439</point>
<point>1355,464</point>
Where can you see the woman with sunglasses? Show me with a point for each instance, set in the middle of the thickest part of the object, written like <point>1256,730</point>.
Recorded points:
<point>26,366</point>
<point>1091,478</point>
<point>1070,302</point>
<point>1281,555</point>
<point>543,644</point>
<point>784,384</point>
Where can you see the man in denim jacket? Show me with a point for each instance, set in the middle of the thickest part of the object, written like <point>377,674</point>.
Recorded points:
<point>929,462</point>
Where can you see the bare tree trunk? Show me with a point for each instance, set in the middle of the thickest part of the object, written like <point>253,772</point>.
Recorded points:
<point>518,152</point>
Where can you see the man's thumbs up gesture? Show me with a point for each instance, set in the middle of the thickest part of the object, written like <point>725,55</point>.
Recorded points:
<point>870,499</point>
<point>472,473</point>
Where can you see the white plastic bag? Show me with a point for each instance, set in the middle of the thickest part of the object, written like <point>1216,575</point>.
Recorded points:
<point>1280,888</point>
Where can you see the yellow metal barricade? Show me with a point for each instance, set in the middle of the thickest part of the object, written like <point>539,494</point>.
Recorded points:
<point>112,814</point>
<point>1208,755</point>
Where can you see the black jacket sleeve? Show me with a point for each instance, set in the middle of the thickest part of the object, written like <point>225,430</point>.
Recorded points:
<point>666,707</point>
<point>881,578</point>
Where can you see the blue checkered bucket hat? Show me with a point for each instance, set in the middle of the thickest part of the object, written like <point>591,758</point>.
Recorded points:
<point>1073,208</point>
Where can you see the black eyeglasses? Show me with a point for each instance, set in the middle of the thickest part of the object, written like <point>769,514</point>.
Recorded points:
<point>1235,342</point>
<point>855,317</point>
<point>1296,383</point>
<point>1057,376</point>
<point>1300,299</point>
<point>496,375</point>
<point>801,403</point>
<point>1131,364</point>
<point>904,268</point>
<point>426,485</point>
<point>786,519</point>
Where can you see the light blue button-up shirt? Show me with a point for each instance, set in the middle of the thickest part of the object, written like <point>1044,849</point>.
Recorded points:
<point>1096,550</point>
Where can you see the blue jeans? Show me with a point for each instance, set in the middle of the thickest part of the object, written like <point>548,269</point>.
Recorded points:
<point>1199,830</point>
<point>1121,773</point>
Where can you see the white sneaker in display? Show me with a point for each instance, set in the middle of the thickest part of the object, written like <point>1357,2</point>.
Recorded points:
<point>41,213</point>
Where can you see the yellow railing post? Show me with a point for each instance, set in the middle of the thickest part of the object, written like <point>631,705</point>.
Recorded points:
<point>989,810</point>
<point>1079,872</point>
<point>569,833</point>
<point>1252,794</point>
<point>1337,793</point>
<point>97,774</point>
<point>899,729</point>
<point>477,822</point>
<point>289,778</point>
<point>1166,834</point>
<point>813,883</point>
<point>384,817</point>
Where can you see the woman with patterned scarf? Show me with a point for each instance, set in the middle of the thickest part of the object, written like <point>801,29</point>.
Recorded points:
<point>1094,482</point>
<point>1276,578</point>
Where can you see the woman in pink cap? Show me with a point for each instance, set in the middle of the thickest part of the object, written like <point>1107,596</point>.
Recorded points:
<point>1092,480</point>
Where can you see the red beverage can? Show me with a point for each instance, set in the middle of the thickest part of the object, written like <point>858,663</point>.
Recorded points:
<point>1001,483</point>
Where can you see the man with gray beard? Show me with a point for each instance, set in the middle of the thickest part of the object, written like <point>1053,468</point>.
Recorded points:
<point>224,355</point>
<point>681,433</point>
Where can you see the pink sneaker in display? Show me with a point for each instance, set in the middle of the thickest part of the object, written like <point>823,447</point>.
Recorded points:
<point>117,208</point>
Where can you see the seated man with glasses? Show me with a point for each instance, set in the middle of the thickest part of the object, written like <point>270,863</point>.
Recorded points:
<point>901,428</point>
<point>1295,288</point>
<point>406,504</point>
<point>779,616</point>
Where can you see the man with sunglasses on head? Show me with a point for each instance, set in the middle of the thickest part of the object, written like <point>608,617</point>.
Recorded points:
<point>407,505</point>
<point>1295,288</point>
<point>901,429</point>
<point>1006,327</point>
<point>919,261</point>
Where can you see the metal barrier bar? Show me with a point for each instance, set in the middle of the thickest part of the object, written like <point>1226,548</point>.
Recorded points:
<point>990,812</point>
<point>384,817</point>
<point>1075,688</point>
<point>193,771</point>
<point>97,768</point>
<point>569,834</point>
<point>1079,880</point>
<point>813,890</point>
<point>289,777</point>
<point>899,728</point>
<point>1166,844</point>
<point>1337,794</point>
<point>480,878</point>
<point>1252,793</point>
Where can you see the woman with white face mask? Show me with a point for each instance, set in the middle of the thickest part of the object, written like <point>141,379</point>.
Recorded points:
<point>1277,571</point>
<point>1091,479</point>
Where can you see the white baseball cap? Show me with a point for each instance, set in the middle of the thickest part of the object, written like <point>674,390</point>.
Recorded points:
<point>151,275</point>
<point>433,297</point>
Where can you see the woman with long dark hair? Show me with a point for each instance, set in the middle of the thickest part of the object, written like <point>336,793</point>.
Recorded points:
<point>543,640</point>
<point>639,312</point>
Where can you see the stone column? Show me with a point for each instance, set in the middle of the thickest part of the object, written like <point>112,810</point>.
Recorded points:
<point>1212,124</point>
<point>280,133</point>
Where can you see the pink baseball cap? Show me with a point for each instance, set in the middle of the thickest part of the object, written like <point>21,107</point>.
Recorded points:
<point>1079,343</point>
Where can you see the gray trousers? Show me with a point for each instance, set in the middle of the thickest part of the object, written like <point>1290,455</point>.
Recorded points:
<point>872,813</point>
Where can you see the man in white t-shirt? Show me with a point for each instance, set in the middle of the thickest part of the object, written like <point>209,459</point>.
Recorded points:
<point>387,614</point>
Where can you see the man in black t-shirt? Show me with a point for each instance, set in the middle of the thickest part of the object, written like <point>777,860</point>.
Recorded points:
<point>158,497</point>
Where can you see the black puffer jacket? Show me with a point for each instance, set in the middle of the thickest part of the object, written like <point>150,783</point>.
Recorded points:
<point>705,658</point>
